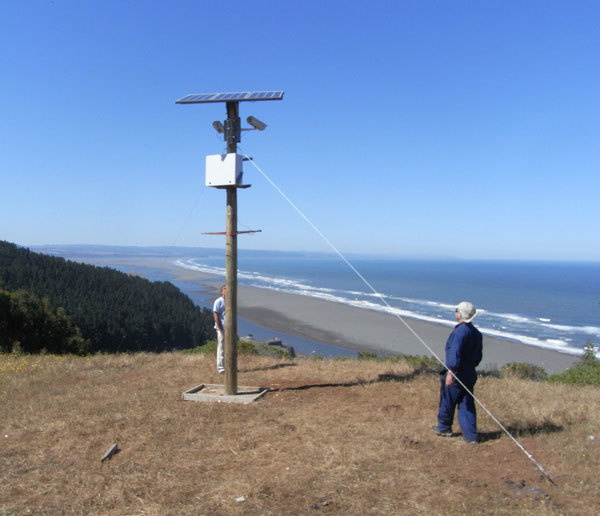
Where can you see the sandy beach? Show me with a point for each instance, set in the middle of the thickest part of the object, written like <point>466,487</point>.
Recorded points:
<point>368,330</point>
<point>349,327</point>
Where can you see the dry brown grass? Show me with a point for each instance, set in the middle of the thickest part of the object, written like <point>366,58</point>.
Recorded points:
<point>363,446</point>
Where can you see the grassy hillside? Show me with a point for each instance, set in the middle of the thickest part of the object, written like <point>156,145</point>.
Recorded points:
<point>331,437</point>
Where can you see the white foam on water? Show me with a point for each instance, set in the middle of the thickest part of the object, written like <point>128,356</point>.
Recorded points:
<point>552,344</point>
<point>349,297</point>
<point>512,317</point>
<point>590,330</point>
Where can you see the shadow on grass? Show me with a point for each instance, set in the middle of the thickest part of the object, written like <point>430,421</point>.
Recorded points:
<point>267,368</point>
<point>522,430</point>
<point>386,377</point>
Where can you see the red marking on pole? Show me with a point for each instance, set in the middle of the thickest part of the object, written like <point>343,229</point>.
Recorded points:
<point>234,233</point>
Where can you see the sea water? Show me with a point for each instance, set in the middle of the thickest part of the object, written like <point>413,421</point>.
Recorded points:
<point>546,304</point>
<point>552,305</point>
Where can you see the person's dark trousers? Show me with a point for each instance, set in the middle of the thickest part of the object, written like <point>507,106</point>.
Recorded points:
<point>453,396</point>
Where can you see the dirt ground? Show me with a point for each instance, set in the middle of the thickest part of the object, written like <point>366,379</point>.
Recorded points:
<point>330,437</point>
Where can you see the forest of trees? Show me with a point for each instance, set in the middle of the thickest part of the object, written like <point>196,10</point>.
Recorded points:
<point>30,324</point>
<point>49,303</point>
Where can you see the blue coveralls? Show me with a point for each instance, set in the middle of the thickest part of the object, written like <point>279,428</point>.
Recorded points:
<point>463,354</point>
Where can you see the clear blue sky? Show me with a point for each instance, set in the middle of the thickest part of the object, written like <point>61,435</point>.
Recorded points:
<point>425,128</point>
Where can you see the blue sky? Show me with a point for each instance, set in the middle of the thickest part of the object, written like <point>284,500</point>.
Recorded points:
<point>426,128</point>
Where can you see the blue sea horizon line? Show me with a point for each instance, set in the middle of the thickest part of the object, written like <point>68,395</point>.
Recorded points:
<point>193,250</point>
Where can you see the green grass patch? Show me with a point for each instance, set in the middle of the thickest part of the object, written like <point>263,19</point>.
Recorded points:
<point>210,348</point>
<point>579,374</point>
<point>584,372</point>
<point>244,347</point>
<point>264,349</point>
<point>524,371</point>
<point>365,355</point>
<point>423,362</point>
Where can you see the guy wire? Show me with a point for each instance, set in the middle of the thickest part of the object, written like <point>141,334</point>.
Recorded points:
<point>183,225</point>
<point>380,296</point>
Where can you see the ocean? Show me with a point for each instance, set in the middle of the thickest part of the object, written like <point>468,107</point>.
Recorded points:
<point>552,305</point>
<point>545,304</point>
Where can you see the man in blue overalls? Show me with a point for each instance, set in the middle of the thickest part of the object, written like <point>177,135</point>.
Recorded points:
<point>463,354</point>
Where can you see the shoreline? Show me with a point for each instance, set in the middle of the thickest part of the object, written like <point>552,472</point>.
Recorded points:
<point>360,329</point>
<point>377,332</point>
<point>348,327</point>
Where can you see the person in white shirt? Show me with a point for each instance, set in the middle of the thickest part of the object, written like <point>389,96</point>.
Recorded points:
<point>219,315</point>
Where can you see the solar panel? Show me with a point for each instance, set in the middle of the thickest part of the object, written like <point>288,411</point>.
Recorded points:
<point>231,97</point>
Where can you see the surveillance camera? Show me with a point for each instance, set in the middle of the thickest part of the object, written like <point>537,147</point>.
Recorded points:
<point>256,123</point>
<point>218,127</point>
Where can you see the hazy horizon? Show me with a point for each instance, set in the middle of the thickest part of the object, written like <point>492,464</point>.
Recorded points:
<point>177,248</point>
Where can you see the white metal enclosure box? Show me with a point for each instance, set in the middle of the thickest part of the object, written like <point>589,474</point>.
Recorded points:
<point>224,169</point>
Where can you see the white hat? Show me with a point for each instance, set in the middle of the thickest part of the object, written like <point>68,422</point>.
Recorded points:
<point>466,311</point>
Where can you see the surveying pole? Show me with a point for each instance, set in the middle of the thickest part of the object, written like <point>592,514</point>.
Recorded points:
<point>230,180</point>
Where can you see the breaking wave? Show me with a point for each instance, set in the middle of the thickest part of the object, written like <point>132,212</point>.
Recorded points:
<point>533,331</point>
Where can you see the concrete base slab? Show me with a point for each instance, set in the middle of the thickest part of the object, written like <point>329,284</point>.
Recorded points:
<point>216,393</point>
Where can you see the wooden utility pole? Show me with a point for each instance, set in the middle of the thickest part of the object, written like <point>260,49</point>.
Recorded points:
<point>232,136</point>
<point>232,133</point>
